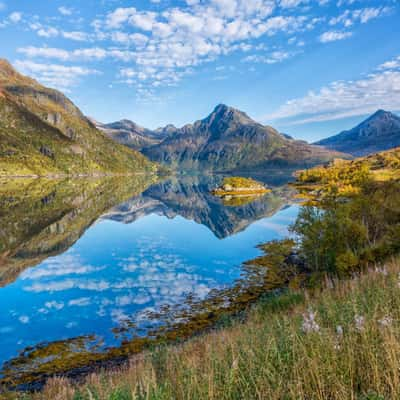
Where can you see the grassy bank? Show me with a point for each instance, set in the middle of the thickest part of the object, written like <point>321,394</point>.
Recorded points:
<point>342,342</point>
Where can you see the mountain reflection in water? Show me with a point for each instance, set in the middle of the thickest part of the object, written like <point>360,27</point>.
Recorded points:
<point>94,258</point>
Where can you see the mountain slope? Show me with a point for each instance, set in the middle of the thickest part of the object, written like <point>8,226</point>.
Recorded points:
<point>381,131</point>
<point>130,134</point>
<point>228,139</point>
<point>42,132</point>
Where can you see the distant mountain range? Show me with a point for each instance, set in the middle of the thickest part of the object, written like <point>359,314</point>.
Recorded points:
<point>381,131</point>
<point>43,133</point>
<point>133,135</point>
<point>227,140</point>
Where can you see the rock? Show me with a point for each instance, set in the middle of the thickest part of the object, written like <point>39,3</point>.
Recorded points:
<point>47,152</point>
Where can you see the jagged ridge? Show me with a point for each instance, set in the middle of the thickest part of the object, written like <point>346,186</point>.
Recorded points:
<point>227,140</point>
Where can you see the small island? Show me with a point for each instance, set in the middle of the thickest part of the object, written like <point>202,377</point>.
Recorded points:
<point>239,186</point>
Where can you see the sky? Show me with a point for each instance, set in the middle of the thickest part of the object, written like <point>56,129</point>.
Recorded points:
<point>310,68</point>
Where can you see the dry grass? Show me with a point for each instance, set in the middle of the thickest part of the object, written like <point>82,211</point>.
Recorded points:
<point>340,343</point>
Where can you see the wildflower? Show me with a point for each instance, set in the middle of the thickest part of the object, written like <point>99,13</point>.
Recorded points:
<point>359,321</point>
<point>381,270</point>
<point>385,321</point>
<point>339,330</point>
<point>398,282</point>
<point>235,364</point>
<point>336,346</point>
<point>309,323</point>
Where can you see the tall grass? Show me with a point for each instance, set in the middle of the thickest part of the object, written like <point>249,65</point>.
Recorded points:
<point>342,342</point>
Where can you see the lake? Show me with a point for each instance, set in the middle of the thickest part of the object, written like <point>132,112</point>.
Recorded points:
<point>93,258</point>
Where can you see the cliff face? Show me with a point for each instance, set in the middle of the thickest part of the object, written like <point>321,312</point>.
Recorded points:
<point>42,132</point>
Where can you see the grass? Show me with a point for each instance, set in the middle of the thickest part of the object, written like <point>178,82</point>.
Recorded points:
<point>238,182</point>
<point>340,342</point>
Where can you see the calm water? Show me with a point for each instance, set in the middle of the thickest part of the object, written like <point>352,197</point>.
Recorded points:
<point>83,259</point>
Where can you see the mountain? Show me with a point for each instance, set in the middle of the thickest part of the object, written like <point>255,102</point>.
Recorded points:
<point>43,133</point>
<point>132,135</point>
<point>228,140</point>
<point>381,131</point>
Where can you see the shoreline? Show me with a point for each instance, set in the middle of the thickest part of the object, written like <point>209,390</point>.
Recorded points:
<point>230,303</point>
<point>62,176</point>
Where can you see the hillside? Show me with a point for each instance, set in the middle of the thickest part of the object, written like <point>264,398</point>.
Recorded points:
<point>42,132</point>
<point>344,176</point>
<point>228,140</point>
<point>381,131</point>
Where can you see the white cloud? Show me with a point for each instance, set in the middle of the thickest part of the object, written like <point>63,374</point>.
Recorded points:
<point>91,53</point>
<point>76,35</point>
<point>272,58</point>
<point>341,99</point>
<point>137,39</point>
<point>65,10</point>
<point>51,32</point>
<point>45,52</point>
<point>363,15</point>
<point>121,15</point>
<point>48,32</point>
<point>175,40</point>
<point>333,36</point>
<point>392,64</point>
<point>15,17</point>
<point>24,319</point>
<point>164,46</point>
<point>80,302</point>
<point>54,305</point>
<point>292,3</point>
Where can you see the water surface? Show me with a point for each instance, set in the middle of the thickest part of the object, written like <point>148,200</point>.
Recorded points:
<point>82,258</point>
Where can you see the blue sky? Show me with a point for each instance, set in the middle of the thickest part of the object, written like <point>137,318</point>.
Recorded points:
<point>307,67</point>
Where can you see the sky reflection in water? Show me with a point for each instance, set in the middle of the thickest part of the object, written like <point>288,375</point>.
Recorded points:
<point>117,271</point>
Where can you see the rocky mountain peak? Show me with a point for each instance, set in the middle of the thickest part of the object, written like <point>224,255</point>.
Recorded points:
<point>380,113</point>
<point>125,124</point>
<point>222,112</point>
<point>378,123</point>
<point>380,131</point>
<point>165,130</point>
